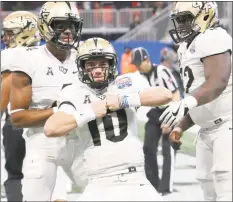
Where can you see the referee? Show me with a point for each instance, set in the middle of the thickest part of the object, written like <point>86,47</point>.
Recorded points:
<point>157,75</point>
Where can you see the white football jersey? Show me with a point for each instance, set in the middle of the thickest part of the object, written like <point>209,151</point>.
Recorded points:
<point>10,57</point>
<point>111,143</point>
<point>212,42</point>
<point>47,73</point>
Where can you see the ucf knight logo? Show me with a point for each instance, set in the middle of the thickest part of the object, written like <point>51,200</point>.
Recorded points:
<point>102,97</point>
<point>43,15</point>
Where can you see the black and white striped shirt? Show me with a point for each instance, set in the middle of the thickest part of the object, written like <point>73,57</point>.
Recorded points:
<point>161,76</point>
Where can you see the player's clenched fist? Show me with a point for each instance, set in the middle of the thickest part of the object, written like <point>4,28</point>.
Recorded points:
<point>112,102</point>
<point>99,107</point>
<point>175,136</point>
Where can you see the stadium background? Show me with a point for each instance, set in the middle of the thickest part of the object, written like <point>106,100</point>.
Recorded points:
<point>130,24</point>
<point>116,21</point>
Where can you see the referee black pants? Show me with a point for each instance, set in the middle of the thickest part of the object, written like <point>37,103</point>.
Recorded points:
<point>14,146</point>
<point>153,134</point>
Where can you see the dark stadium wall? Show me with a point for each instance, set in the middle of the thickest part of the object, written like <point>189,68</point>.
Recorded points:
<point>153,47</point>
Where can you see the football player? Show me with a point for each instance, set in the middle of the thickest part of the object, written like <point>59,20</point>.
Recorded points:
<point>205,64</point>
<point>38,76</point>
<point>103,115</point>
<point>19,31</point>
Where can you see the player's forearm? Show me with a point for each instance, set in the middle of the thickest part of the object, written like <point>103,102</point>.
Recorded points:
<point>155,96</point>
<point>176,95</point>
<point>59,124</point>
<point>209,91</point>
<point>185,123</point>
<point>30,118</point>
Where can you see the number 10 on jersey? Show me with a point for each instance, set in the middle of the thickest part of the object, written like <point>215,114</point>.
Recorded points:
<point>109,127</point>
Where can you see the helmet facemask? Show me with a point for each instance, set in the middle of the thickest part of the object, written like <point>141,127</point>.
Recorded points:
<point>185,28</point>
<point>8,37</point>
<point>87,77</point>
<point>58,26</point>
<point>11,33</point>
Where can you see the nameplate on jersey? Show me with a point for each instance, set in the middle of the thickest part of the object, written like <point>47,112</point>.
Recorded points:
<point>62,69</point>
<point>132,169</point>
<point>218,121</point>
<point>124,83</point>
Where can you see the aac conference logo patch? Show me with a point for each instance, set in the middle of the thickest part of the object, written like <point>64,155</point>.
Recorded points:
<point>124,83</point>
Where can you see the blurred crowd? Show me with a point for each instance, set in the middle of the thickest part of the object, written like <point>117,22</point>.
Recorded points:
<point>86,5</point>
<point>98,17</point>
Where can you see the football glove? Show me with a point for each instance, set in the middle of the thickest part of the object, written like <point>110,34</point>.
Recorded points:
<point>177,110</point>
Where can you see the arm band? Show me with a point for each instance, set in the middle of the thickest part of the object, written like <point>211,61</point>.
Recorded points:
<point>15,110</point>
<point>190,102</point>
<point>85,115</point>
<point>131,100</point>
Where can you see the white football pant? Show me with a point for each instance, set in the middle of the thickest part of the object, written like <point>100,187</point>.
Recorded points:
<point>122,187</point>
<point>214,162</point>
<point>60,189</point>
<point>43,156</point>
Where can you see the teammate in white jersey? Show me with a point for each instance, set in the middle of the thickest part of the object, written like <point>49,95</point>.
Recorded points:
<point>37,79</point>
<point>19,30</point>
<point>205,62</point>
<point>102,112</point>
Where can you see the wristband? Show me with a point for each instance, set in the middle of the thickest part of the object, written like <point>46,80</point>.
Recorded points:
<point>190,102</point>
<point>131,100</point>
<point>84,116</point>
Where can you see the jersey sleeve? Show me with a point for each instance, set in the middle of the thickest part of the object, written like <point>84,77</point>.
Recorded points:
<point>214,42</point>
<point>25,63</point>
<point>139,82</point>
<point>7,60</point>
<point>167,80</point>
<point>65,101</point>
